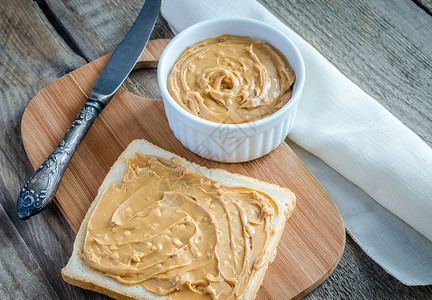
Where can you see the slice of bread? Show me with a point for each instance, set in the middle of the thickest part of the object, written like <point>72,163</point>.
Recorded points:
<point>76,272</point>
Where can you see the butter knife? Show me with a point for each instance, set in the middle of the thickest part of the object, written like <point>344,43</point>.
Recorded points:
<point>39,190</point>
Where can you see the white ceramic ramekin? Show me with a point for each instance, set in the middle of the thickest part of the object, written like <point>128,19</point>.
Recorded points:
<point>230,142</point>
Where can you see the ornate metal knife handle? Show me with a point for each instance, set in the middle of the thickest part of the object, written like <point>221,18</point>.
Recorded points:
<point>39,190</point>
<point>42,185</point>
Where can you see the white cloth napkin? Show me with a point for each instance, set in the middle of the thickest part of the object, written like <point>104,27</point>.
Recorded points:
<point>342,125</point>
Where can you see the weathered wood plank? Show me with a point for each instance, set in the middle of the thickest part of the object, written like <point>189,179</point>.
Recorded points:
<point>426,5</point>
<point>336,29</point>
<point>385,47</point>
<point>32,56</point>
<point>21,276</point>
<point>106,22</point>
<point>375,44</point>
<point>347,34</point>
<point>98,27</point>
<point>358,277</point>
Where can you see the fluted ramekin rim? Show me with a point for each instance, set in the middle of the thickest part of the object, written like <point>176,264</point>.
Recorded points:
<point>210,125</point>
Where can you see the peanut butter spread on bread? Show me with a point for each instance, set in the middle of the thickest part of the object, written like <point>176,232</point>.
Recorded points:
<point>178,233</point>
<point>231,79</point>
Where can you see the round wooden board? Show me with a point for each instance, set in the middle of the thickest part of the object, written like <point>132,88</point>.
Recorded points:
<point>314,237</point>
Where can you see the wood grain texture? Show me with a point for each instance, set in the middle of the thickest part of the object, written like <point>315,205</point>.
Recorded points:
<point>32,253</point>
<point>34,55</point>
<point>313,241</point>
<point>385,47</point>
<point>371,43</point>
<point>20,266</point>
<point>426,5</point>
<point>98,26</point>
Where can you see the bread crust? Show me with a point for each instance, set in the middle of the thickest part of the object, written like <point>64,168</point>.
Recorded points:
<point>96,281</point>
<point>93,287</point>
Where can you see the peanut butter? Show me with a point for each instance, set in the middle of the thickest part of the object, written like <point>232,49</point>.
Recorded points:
<point>178,233</point>
<point>231,79</point>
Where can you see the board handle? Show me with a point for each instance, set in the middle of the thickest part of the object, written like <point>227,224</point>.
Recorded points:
<point>151,54</point>
<point>40,189</point>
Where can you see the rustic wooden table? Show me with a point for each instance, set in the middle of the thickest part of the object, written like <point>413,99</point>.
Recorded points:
<point>385,47</point>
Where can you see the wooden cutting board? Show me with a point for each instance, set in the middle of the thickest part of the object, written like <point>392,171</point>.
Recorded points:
<point>314,238</point>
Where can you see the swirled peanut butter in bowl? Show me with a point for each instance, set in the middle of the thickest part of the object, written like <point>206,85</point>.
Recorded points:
<point>231,79</point>
<point>231,88</point>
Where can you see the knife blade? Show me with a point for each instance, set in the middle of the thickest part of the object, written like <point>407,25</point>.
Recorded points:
<point>39,190</point>
<point>128,51</point>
